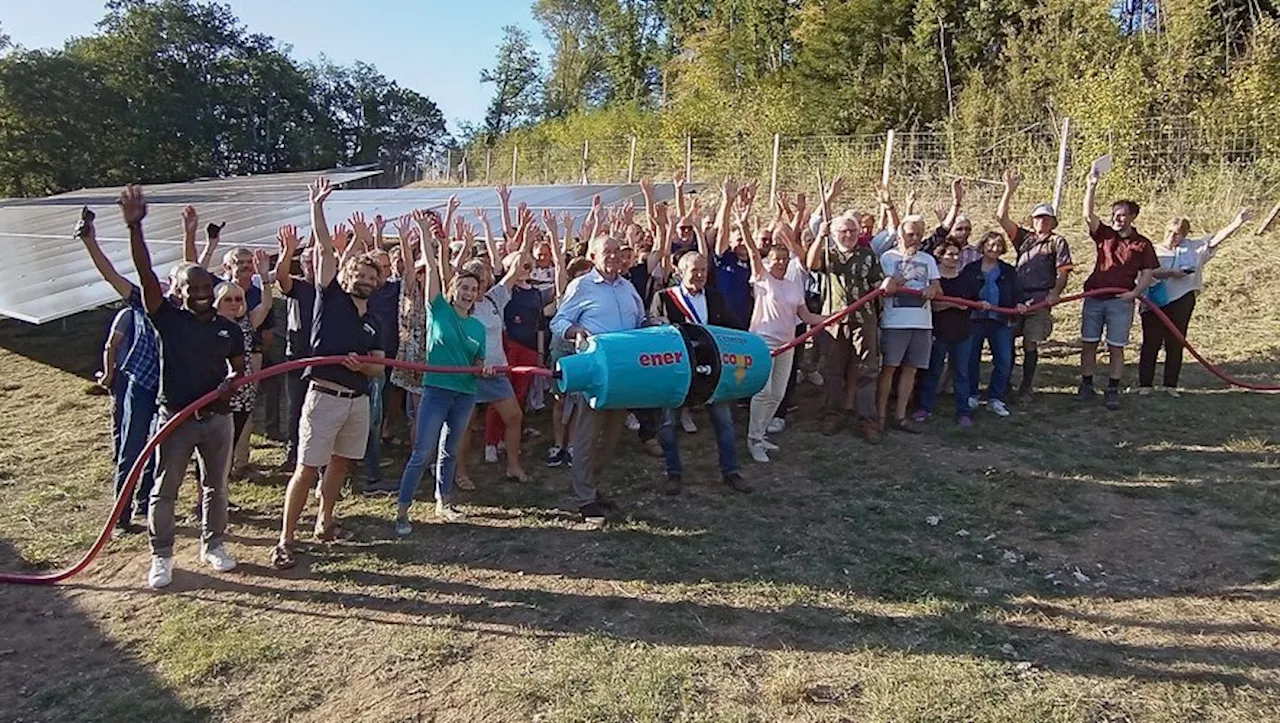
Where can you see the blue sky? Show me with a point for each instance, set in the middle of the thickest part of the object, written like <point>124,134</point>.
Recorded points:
<point>432,46</point>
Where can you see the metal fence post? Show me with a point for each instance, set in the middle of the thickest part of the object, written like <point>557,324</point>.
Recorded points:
<point>631,162</point>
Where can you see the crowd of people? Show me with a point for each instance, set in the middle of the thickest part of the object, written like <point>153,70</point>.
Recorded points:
<point>445,291</point>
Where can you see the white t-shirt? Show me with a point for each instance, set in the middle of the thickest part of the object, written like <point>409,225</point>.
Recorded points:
<point>796,272</point>
<point>491,312</point>
<point>908,311</point>
<point>1191,254</point>
<point>774,315</point>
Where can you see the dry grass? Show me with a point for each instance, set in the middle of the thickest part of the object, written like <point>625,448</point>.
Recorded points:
<point>1087,567</point>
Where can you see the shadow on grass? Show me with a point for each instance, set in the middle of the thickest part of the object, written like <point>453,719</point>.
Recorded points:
<point>958,629</point>
<point>57,665</point>
<point>73,344</point>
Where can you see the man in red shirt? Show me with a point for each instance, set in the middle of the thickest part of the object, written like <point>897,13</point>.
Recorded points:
<point>1126,260</point>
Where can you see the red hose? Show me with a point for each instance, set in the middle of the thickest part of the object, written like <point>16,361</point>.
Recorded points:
<point>163,433</point>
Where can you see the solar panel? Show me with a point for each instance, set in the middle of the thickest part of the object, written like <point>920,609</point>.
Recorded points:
<point>49,275</point>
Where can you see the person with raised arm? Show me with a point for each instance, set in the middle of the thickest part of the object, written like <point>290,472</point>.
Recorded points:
<point>1044,265</point>
<point>384,306</point>
<point>779,307</point>
<point>335,413</point>
<point>849,271</point>
<point>411,322</point>
<point>200,353</point>
<point>229,298</point>
<point>131,372</point>
<point>598,302</point>
<point>1178,282</point>
<point>906,338</point>
<point>300,295</point>
<point>490,309</point>
<point>954,224</point>
<point>454,337</point>
<point>1125,260</point>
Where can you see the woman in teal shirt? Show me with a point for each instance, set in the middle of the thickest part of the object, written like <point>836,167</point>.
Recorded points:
<point>453,338</point>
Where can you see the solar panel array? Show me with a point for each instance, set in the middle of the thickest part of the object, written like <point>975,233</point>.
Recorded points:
<point>48,276</point>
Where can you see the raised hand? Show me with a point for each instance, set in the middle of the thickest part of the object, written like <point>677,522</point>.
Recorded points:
<point>911,198</point>
<point>549,220</point>
<point>262,262</point>
<point>1244,216</point>
<point>678,181</point>
<point>361,228</point>
<point>883,196</point>
<point>957,190</point>
<point>340,238</point>
<point>837,188</point>
<point>319,190</point>
<point>379,223</point>
<point>214,231</point>
<point>1091,180</point>
<point>646,185</point>
<point>1011,179</point>
<point>453,204</point>
<point>84,227</point>
<point>504,193</point>
<point>404,227</point>
<point>190,220</point>
<point>566,219</point>
<point>132,205</point>
<point>729,187</point>
<point>287,238</point>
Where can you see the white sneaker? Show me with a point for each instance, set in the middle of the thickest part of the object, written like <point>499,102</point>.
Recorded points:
<point>769,446</point>
<point>686,421</point>
<point>161,573</point>
<point>1173,392</point>
<point>973,402</point>
<point>1144,391</point>
<point>218,559</point>
<point>758,452</point>
<point>815,378</point>
<point>632,423</point>
<point>448,513</point>
<point>491,454</point>
<point>776,425</point>
<point>998,407</point>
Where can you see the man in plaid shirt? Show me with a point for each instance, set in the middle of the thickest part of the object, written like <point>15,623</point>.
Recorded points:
<point>131,371</point>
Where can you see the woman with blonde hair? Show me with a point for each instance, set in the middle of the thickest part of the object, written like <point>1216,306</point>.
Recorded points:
<point>1178,282</point>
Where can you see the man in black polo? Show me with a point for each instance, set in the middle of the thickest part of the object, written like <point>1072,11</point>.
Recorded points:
<point>335,413</point>
<point>200,352</point>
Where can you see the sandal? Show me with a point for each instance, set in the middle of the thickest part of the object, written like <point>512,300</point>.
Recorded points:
<point>522,478</point>
<point>465,483</point>
<point>333,532</point>
<point>282,557</point>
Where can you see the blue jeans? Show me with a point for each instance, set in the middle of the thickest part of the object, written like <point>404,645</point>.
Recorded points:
<point>721,421</point>
<point>373,451</point>
<point>133,415</point>
<point>959,353</point>
<point>999,337</point>
<point>442,420</point>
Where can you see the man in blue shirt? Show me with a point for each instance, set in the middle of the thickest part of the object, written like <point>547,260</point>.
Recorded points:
<point>600,301</point>
<point>133,379</point>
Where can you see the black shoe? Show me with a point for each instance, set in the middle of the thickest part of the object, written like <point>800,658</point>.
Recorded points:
<point>1086,392</point>
<point>1111,398</point>
<point>557,456</point>
<point>123,528</point>
<point>735,482</point>
<point>604,503</point>
<point>379,488</point>
<point>673,486</point>
<point>592,514</point>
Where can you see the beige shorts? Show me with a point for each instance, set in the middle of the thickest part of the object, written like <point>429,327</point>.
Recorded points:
<point>1035,327</point>
<point>332,426</point>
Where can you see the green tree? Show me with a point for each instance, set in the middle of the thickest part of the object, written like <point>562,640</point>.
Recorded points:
<point>515,79</point>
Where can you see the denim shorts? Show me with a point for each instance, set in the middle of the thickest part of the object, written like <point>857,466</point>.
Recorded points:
<point>494,389</point>
<point>1115,314</point>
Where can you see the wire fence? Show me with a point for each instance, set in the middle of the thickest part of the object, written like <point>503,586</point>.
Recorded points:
<point>1149,156</point>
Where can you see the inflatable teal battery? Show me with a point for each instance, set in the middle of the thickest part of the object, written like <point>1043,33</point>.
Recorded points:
<point>640,369</point>
<point>744,364</point>
<point>664,367</point>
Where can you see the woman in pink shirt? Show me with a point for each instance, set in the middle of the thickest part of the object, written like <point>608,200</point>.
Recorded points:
<point>779,307</point>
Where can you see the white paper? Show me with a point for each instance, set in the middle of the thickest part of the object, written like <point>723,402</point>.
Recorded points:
<point>1102,165</point>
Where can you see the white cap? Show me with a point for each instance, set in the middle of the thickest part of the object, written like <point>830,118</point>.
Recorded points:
<point>1044,209</point>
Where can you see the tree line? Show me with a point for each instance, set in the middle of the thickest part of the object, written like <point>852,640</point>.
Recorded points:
<point>735,68</point>
<point>170,90</point>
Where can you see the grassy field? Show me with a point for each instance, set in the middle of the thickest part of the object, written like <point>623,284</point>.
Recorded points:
<point>1065,564</point>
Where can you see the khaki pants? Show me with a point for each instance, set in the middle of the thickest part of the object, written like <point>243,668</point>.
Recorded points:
<point>594,438</point>
<point>851,369</point>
